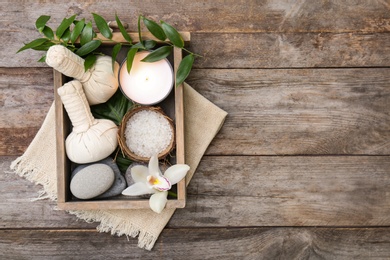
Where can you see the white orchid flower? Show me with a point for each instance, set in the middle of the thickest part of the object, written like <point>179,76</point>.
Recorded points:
<point>150,180</point>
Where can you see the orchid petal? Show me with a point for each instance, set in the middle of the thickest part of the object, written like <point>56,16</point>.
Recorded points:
<point>138,188</point>
<point>176,173</point>
<point>158,201</point>
<point>139,173</point>
<point>154,169</point>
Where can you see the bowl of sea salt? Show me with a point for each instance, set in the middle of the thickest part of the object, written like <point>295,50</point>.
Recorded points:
<point>145,131</point>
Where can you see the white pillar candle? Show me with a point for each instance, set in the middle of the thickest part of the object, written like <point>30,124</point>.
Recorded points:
<point>148,82</point>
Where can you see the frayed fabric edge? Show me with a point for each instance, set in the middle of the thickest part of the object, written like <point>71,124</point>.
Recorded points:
<point>22,168</point>
<point>112,225</point>
<point>107,224</point>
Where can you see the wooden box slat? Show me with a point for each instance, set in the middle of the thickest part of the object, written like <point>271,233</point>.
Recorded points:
<point>63,127</point>
<point>179,110</point>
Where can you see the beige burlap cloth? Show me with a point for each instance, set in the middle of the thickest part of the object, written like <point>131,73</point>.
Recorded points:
<point>38,164</point>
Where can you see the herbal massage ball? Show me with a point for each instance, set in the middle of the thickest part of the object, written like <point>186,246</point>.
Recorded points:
<point>100,82</point>
<point>91,139</point>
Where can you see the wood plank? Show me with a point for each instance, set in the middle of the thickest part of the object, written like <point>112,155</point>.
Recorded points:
<point>300,34</point>
<point>290,111</point>
<point>241,199</point>
<point>289,191</point>
<point>25,96</point>
<point>18,208</point>
<point>179,125</point>
<point>258,50</point>
<point>202,243</point>
<point>316,111</point>
<point>215,16</point>
<point>14,141</point>
<point>291,50</point>
<point>247,191</point>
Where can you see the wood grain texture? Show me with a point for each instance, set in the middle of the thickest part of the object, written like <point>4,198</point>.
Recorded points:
<point>215,16</point>
<point>291,50</point>
<point>262,50</point>
<point>25,96</point>
<point>18,210</point>
<point>232,35</point>
<point>250,191</point>
<point>14,141</point>
<point>201,243</point>
<point>179,125</point>
<point>323,111</point>
<point>290,111</point>
<point>307,79</point>
<point>289,191</point>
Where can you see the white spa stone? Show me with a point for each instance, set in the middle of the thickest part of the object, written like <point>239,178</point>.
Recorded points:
<point>92,181</point>
<point>119,184</point>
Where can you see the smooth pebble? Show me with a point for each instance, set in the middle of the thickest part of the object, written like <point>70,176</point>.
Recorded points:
<point>119,183</point>
<point>130,180</point>
<point>91,180</point>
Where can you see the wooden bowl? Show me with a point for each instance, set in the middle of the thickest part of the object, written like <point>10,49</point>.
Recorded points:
<point>122,139</point>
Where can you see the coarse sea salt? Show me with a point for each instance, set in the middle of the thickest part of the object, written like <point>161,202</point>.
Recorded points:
<point>147,133</point>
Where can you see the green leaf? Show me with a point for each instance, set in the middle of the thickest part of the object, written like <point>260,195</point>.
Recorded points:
<point>138,45</point>
<point>71,48</point>
<point>102,25</point>
<point>86,34</point>
<point>66,36</point>
<point>144,45</point>
<point>172,194</point>
<point>130,58</point>
<point>33,44</point>
<point>155,29</point>
<point>88,47</point>
<point>65,24</point>
<point>123,30</point>
<point>173,35</point>
<point>184,69</point>
<point>78,28</point>
<point>48,32</point>
<point>114,109</point>
<point>115,51</point>
<point>149,44</point>
<point>42,59</point>
<point>158,54</point>
<point>89,61</point>
<point>44,46</point>
<point>40,23</point>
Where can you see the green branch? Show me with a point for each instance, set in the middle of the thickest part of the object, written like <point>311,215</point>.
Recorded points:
<point>71,29</point>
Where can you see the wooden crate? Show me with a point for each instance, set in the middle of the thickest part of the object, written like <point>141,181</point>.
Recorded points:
<point>63,126</point>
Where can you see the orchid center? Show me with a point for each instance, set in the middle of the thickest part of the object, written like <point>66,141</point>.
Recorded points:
<point>159,183</point>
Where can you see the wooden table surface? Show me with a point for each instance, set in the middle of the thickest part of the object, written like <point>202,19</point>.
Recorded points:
<point>301,168</point>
